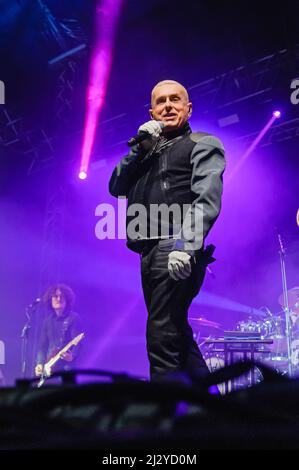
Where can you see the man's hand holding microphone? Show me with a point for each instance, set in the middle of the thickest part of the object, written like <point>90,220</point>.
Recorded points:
<point>150,129</point>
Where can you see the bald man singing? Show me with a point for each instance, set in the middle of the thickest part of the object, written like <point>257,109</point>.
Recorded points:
<point>173,182</point>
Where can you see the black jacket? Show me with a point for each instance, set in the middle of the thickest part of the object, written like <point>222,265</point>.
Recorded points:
<point>185,169</point>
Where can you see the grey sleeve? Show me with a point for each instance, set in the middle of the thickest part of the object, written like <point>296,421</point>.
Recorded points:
<point>208,165</point>
<point>123,174</point>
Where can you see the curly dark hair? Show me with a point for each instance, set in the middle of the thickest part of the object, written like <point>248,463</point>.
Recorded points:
<point>67,292</point>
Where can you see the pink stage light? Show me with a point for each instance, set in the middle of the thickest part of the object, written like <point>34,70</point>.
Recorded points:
<point>275,115</point>
<point>82,175</point>
<point>106,16</point>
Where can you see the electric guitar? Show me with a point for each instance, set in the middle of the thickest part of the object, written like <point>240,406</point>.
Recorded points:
<point>47,367</point>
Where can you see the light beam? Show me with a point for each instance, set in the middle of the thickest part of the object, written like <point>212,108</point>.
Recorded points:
<point>106,17</point>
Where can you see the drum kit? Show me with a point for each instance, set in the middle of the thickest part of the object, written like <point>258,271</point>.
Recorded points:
<point>266,327</point>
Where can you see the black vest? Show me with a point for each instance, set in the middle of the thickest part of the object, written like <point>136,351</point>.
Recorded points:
<point>163,177</point>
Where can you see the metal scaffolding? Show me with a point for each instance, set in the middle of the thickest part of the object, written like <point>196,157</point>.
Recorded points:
<point>65,92</point>
<point>39,144</point>
<point>254,81</point>
<point>51,246</point>
<point>253,84</point>
<point>286,130</point>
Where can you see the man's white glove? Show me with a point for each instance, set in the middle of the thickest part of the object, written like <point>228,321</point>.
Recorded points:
<point>154,128</point>
<point>179,266</point>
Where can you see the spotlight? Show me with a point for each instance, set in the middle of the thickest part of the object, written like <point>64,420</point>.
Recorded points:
<point>107,14</point>
<point>82,175</point>
<point>275,115</point>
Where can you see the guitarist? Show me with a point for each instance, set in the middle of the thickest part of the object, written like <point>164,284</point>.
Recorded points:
<point>59,327</point>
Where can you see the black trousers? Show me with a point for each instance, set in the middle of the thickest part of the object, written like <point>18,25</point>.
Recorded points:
<point>170,343</point>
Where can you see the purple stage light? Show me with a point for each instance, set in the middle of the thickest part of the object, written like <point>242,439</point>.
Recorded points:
<point>106,16</point>
<point>275,115</point>
<point>82,175</point>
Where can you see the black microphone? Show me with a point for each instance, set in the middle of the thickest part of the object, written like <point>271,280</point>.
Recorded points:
<point>35,302</point>
<point>142,135</point>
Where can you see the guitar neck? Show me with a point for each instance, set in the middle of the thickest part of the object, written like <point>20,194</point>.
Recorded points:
<point>73,342</point>
<point>56,358</point>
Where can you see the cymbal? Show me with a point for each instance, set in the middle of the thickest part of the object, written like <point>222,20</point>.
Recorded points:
<point>293,299</point>
<point>205,322</point>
